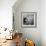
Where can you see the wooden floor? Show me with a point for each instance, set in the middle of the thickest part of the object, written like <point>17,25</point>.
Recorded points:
<point>9,43</point>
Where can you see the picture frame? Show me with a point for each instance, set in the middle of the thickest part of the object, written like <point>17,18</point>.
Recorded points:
<point>29,19</point>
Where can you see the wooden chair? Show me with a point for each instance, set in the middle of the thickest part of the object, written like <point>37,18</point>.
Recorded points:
<point>29,43</point>
<point>18,39</point>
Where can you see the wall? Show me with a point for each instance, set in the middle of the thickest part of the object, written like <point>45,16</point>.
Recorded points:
<point>6,13</point>
<point>28,6</point>
<point>43,22</point>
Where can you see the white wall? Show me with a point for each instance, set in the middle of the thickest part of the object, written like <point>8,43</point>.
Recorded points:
<point>6,13</point>
<point>43,22</point>
<point>30,33</point>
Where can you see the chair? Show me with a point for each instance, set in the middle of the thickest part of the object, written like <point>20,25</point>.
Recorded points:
<point>18,39</point>
<point>29,43</point>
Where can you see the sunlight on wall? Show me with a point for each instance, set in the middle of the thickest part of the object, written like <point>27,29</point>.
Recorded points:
<point>6,13</point>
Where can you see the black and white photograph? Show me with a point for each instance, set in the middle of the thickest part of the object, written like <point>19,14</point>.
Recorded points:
<point>28,19</point>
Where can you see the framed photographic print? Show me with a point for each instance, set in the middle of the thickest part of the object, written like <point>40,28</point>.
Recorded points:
<point>29,19</point>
